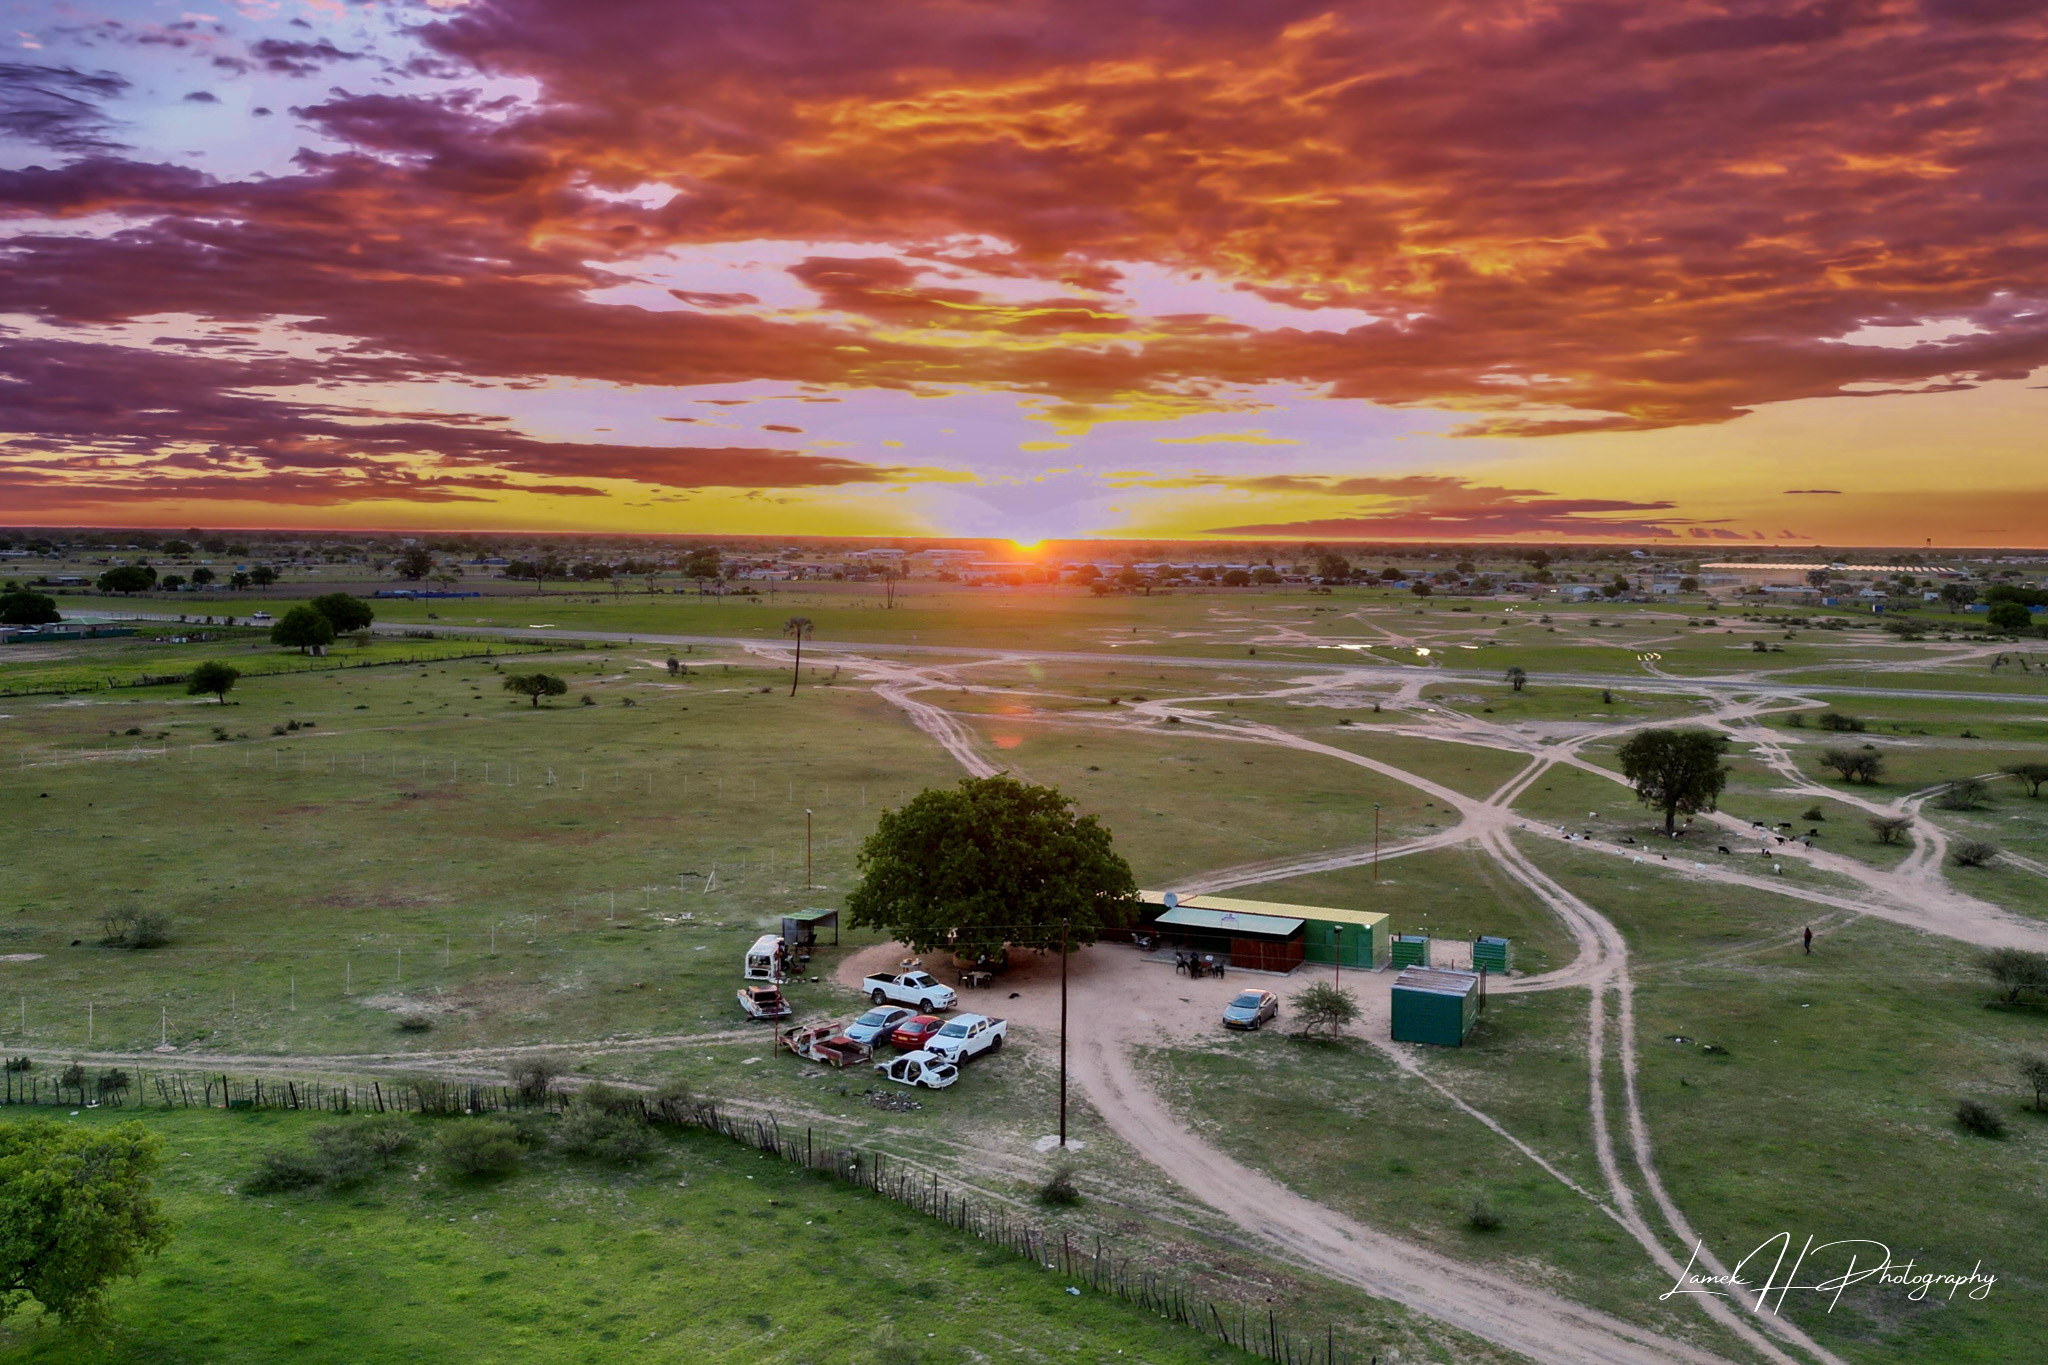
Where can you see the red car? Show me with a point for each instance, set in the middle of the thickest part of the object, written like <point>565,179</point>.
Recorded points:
<point>911,1034</point>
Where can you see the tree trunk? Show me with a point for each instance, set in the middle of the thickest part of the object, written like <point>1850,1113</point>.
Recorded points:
<point>797,671</point>
<point>1671,819</point>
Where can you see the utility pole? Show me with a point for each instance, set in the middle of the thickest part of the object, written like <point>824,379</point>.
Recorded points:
<point>807,847</point>
<point>1375,842</point>
<point>1337,934</point>
<point>1063,1033</point>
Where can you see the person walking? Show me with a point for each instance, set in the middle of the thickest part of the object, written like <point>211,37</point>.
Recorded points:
<point>1809,940</point>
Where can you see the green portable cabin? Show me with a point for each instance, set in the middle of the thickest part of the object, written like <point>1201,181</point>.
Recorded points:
<point>1410,950</point>
<point>1435,1005</point>
<point>1361,935</point>
<point>1494,954</point>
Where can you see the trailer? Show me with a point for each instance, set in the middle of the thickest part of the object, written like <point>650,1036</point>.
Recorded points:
<point>826,1043</point>
<point>765,959</point>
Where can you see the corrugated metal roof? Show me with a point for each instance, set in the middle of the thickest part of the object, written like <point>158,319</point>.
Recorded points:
<point>811,916</point>
<point>1190,917</point>
<point>1437,980</point>
<point>1323,913</point>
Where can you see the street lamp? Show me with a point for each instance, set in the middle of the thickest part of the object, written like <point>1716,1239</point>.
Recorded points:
<point>1375,842</point>
<point>1337,935</point>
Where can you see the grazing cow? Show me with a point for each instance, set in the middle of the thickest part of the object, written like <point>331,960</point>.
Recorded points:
<point>1724,848</point>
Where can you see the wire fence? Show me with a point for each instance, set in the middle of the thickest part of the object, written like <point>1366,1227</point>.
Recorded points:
<point>1099,1262</point>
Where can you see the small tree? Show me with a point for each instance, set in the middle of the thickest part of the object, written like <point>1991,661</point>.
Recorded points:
<point>76,1210</point>
<point>414,562</point>
<point>344,612</point>
<point>1854,765</point>
<point>1977,1117</point>
<point>1891,829</point>
<point>213,677</point>
<point>129,578</point>
<point>2009,618</point>
<point>1517,677</point>
<point>2034,1075</point>
<point>1838,722</point>
<point>2033,774</point>
<point>534,686</point>
<point>202,576</point>
<point>2015,970</point>
<point>797,628</point>
<point>1974,853</point>
<point>1324,1006</point>
<point>1675,771</point>
<point>534,1075</point>
<point>263,575</point>
<point>1966,793</point>
<point>303,629</point>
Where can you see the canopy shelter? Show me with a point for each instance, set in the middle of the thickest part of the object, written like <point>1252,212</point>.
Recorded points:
<point>1260,943</point>
<point>1361,936</point>
<point>800,930</point>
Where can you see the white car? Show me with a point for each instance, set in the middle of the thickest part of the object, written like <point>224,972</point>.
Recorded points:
<point>919,1068</point>
<point>968,1035</point>
<point>911,988</point>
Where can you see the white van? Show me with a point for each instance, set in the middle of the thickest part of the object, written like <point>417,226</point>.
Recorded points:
<point>761,959</point>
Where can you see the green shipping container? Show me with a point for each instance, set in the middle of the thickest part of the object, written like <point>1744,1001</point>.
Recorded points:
<point>1435,1005</point>
<point>1494,954</point>
<point>1410,950</point>
<point>1364,940</point>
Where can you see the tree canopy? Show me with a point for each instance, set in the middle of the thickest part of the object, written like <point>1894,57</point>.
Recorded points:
<point>303,628</point>
<point>343,611</point>
<point>20,607</point>
<point>414,562</point>
<point>988,863</point>
<point>534,686</point>
<point>1324,1006</point>
<point>212,676</point>
<point>1676,771</point>
<point>127,578</point>
<point>76,1210</point>
<point>2009,618</point>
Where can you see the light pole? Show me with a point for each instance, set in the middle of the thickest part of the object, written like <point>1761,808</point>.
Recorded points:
<point>807,849</point>
<point>1375,842</point>
<point>1063,1033</point>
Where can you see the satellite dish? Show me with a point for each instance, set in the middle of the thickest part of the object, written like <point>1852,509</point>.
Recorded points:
<point>1172,900</point>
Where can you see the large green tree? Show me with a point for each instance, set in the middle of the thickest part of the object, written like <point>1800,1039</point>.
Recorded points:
<point>21,607</point>
<point>2009,618</point>
<point>303,628</point>
<point>988,863</point>
<point>1676,771</point>
<point>76,1210</point>
<point>534,686</point>
<point>343,611</point>
<point>214,677</point>
<point>128,578</point>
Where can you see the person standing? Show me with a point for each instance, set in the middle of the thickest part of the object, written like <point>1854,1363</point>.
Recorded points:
<point>1809,940</point>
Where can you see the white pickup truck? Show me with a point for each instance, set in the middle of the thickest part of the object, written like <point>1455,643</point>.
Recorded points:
<point>967,1035</point>
<point>911,988</point>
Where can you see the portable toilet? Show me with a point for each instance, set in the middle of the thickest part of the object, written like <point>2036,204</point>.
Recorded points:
<point>1435,1005</point>
<point>1409,950</point>
<point>1494,954</point>
<point>763,958</point>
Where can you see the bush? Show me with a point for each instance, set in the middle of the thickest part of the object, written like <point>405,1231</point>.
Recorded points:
<point>1814,814</point>
<point>435,1095</point>
<point>1966,793</point>
<point>1322,1005</point>
<point>476,1148</point>
<point>134,929</point>
<point>1854,765</point>
<point>533,1076</point>
<point>612,1099</point>
<point>1482,1216</point>
<point>1059,1188</point>
<point>1839,723</point>
<point>1973,853</point>
<point>2014,970</point>
<point>415,1020</point>
<point>589,1130</point>
<point>1890,829</point>
<point>283,1170</point>
<point>673,1100</point>
<point>1977,1117</point>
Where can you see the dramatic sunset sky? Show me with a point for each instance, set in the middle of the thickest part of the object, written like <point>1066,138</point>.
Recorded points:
<point>1458,270</point>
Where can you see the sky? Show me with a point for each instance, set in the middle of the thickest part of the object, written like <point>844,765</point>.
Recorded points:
<point>1768,273</point>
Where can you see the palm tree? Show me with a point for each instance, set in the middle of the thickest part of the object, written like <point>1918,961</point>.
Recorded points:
<point>1516,677</point>
<point>797,628</point>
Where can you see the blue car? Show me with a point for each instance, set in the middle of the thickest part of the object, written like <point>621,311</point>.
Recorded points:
<point>874,1027</point>
<point>1251,1009</point>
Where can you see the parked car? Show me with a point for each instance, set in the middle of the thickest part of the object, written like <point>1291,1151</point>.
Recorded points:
<point>910,988</point>
<point>1251,1009</point>
<point>913,1033</point>
<point>968,1035</point>
<point>874,1027</point>
<point>825,1043</point>
<point>919,1068</point>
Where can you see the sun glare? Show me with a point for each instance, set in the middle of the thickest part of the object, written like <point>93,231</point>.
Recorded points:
<point>1026,546</point>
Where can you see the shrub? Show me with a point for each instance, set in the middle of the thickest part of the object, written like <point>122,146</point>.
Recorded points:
<point>2034,1075</point>
<point>1814,814</point>
<point>1323,1005</point>
<point>673,1100</point>
<point>1482,1216</point>
<point>1966,793</point>
<point>1059,1188</point>
<point>1796,721</point>
<point>1977,1117</point>
<point>2014,970</point>
<point>1973,853</point>
<point>415,1020</point>
<point>534,1075</point>
<point>20,1064</point>
<point>72,1077</point>
<point>434,1095</point>
<point>1839,723</point>
<point>476,1148</point>
<point>1854,765</point>
<point>134,929</point>
<point>588,1130</point>
<point>1890,829</point>
<point>283,1170</point>
<point>612,1099</point>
